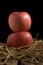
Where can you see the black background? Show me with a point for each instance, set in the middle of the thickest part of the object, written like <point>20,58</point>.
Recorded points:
<point>34,8</point>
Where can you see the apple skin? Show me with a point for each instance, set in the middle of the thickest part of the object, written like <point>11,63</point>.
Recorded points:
<point>19,21</point>
<point>19,39</point>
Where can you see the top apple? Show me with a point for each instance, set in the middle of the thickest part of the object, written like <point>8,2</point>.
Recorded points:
<point>19,21</point>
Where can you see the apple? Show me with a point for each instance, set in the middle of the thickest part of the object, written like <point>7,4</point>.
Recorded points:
<point>19,39</point>
<point>19,21</point>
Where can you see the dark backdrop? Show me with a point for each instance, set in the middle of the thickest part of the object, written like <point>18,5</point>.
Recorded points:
<point>32,7</point>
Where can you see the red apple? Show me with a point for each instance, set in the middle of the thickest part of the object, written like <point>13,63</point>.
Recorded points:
<point>19,39</point>
<point>19,21</point>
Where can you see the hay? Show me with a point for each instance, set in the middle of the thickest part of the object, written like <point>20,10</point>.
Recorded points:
<point>19,56</point>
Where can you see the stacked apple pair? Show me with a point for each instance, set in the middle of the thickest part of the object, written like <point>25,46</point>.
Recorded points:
<point>20,23</point>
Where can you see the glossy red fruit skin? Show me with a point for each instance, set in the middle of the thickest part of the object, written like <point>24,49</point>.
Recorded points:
<point>19,39</point>
<point>19,21</point>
